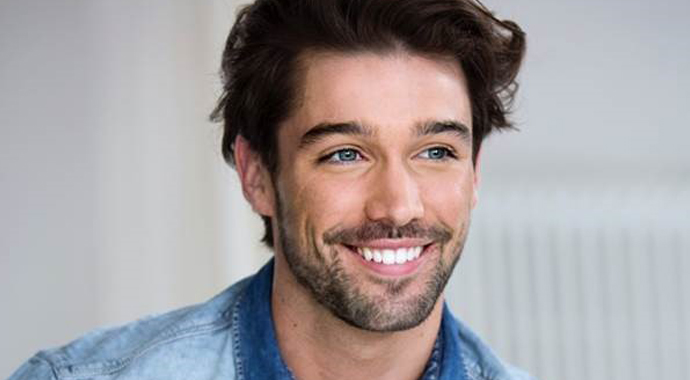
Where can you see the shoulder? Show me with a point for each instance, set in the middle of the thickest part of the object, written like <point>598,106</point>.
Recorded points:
<point>480,362</point>
<point>182,344</point>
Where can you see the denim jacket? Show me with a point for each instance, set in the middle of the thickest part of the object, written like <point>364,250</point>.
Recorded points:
<point>231,337</point>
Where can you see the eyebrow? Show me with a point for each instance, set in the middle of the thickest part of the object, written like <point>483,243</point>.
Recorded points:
<point>323,130</point>
<point>437,127</point>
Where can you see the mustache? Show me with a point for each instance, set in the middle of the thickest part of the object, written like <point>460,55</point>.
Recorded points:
<point>386,230</point>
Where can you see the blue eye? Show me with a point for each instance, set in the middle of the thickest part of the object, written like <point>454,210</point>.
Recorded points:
<point>437,153</point>
<point>343,156</point>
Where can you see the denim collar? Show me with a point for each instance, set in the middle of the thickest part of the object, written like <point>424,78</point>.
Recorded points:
<point>257,356</point>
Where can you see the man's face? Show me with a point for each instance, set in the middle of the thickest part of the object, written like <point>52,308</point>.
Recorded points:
<point>375,185</point>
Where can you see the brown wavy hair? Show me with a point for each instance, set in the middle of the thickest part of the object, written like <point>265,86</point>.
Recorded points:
<point>260,63</point>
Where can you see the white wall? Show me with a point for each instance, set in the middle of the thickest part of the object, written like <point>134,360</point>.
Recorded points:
<point>115,201</point>
<point>604,91</point>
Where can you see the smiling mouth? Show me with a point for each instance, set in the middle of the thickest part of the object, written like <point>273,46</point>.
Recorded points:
<point>390,256</point>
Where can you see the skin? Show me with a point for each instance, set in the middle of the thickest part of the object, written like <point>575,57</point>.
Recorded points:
<point>390,175</point>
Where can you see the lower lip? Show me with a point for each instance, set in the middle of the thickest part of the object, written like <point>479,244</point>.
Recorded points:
<point>394,270</point>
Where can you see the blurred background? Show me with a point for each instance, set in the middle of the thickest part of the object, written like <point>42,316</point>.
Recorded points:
<point>115,202</point>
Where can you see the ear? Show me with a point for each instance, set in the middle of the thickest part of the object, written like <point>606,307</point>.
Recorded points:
<point>257,185</point>
<point>477,178</point>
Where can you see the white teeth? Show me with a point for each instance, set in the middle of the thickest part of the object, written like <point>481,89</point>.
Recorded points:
<point>368,256</point>
<point>378,257</point>
<point>390,256</point>
<point>401,256</point>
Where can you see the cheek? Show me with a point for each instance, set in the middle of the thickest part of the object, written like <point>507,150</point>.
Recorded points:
<point>448,200</point>
<point>324,204</point>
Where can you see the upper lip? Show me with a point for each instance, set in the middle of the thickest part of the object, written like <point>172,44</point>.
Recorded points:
<point>392,243</point>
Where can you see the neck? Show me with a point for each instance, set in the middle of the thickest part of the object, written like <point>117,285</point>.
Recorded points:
<point>317,345</point>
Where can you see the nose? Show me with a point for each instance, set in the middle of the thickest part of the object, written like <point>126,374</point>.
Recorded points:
<point>395,196</point>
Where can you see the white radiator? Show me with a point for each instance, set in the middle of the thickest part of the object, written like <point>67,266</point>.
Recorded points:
<point>581,283</point>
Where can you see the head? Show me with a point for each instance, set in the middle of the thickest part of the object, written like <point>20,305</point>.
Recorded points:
<point>366,118</point>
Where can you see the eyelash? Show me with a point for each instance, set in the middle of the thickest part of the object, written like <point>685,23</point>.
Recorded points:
<point>448,153</point>
<point>329,158</point>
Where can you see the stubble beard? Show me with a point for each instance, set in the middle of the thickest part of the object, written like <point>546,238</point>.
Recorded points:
<point>324,275</point>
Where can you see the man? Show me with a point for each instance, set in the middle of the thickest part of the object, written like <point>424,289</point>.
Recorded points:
<point>355,128</point>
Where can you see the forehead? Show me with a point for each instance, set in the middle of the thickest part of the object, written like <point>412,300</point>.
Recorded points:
<point>386,91</point>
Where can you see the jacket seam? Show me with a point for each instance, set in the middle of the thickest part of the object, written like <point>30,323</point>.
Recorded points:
<point>239,366</point>
<point>40,357</point>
